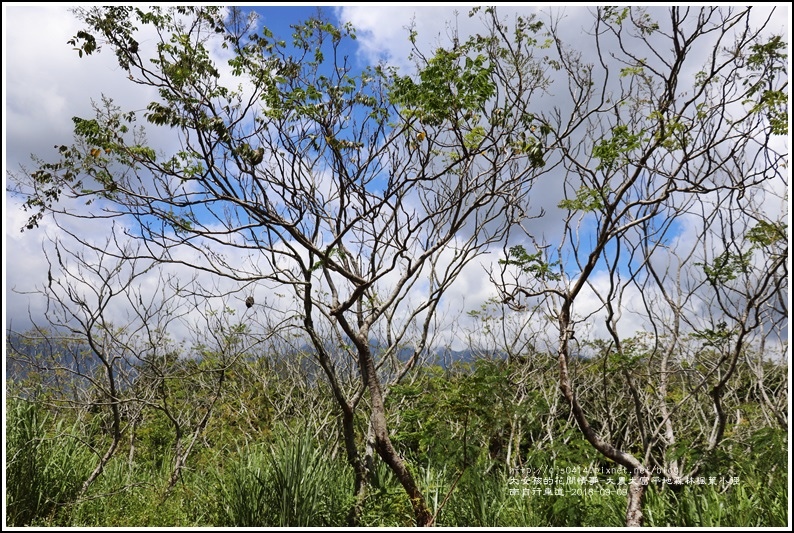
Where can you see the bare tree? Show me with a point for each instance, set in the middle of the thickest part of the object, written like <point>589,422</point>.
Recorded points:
<point>363,193</point>
<point>187,384</point>
<point>669,134</point>
<point>109,322</point>
<point>87,291</point>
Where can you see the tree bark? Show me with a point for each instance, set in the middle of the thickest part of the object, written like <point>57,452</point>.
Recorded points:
<point>639,482</point>
<point>383,443</point>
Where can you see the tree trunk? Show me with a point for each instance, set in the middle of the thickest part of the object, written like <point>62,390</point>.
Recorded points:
<point>639,482</point>
<point>359,468</point>
<point>640,474</point>
<point>113,402</point>
<point>383,443</point>
<point>348,408</point>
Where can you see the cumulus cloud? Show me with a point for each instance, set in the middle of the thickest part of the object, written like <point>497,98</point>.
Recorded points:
<point>383,32</point>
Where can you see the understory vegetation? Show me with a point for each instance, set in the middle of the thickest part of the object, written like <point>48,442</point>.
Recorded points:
<point>487,441</point>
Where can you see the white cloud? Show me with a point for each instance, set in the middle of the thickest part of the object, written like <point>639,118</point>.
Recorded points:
<point>383,32</point>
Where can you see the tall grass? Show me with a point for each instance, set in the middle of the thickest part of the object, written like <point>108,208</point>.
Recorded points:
<point>479,500</point>
<point>295,482</point>
<point>386,504</point>
<point>128,495</point>
<point>748,503</point>
<point>485,497</point>
<point>292,484</point>
<point>44,471</point>
<point>756,496</point>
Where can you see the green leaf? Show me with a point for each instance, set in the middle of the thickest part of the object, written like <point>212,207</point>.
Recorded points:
<point>726,267</point>
<point>587,200</point>
<point>767,233</point>
<point>615,151</point>
<point>531,263</point>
